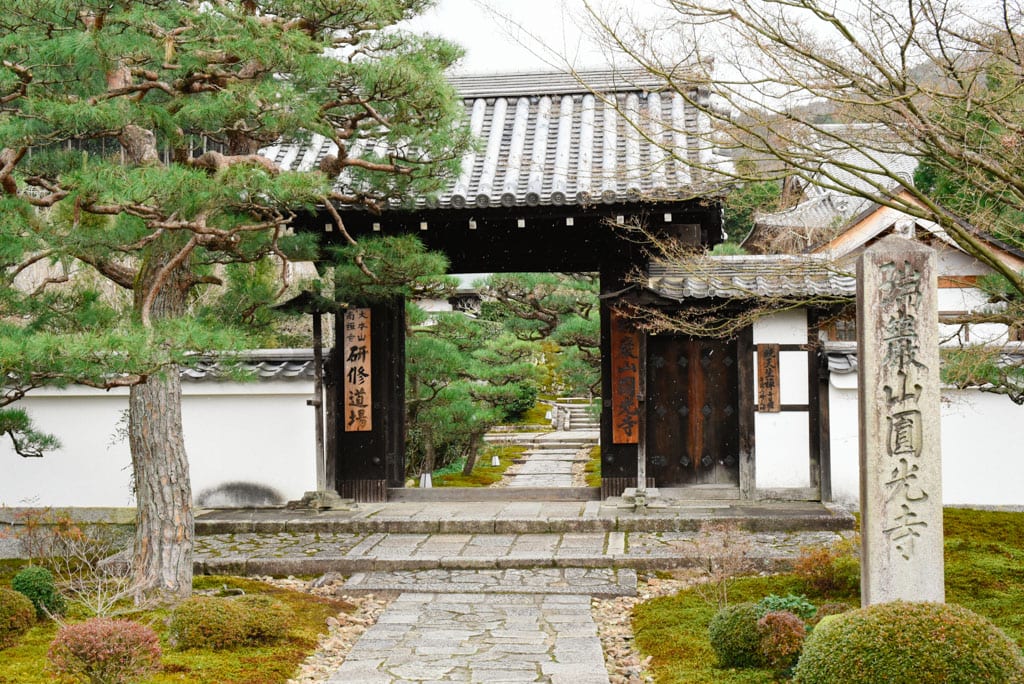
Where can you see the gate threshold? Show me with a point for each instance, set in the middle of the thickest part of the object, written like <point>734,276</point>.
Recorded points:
<point>460,494</point>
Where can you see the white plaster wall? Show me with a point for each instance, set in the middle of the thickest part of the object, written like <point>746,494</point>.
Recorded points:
<point>782,440</point>
<point>258,433</point>
<point>787,327</point>
<point>782,449</point>
<point>982,437</point>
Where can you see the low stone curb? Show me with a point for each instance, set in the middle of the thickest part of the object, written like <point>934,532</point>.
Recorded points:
<point>621,582</point>
<point>653,523</point>
<point>281,567</point>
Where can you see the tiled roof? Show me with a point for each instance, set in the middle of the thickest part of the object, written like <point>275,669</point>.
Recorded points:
<point>820,211</point>
<point>746,277</point>
<point>263,364</point>
<point>548,139</point>
<point>826,207</point>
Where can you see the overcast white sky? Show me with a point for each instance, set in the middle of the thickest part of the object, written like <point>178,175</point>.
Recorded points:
<point>491,46</point>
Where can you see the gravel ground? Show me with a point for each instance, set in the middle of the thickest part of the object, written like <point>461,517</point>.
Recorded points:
<point>613,617</point>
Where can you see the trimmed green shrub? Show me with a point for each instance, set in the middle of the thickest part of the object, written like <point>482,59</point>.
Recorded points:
<point>105,651</point>
<point>16,616</point>
<point>909,643</point>
<point>224,623</point>
<point>208,622</point>
<point>38,584</point>
<point>793,603</point>
<point>734,637</point>
<point>782,637</point>
<point>266,619</point>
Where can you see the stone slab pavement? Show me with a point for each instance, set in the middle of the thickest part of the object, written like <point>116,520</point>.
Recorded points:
<point>458,637</point>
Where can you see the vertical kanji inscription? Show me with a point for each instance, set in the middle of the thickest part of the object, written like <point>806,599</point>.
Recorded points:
<point>625,381</point>
<point>768,378</point>
<point>356,355</point>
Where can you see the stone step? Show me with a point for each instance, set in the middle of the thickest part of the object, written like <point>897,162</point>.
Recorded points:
<point>598,582</point>
<point>316,554</point>
<point>493,495</point>
<point>503,510</point>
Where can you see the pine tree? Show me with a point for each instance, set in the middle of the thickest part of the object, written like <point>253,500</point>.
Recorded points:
<point>130,138</point>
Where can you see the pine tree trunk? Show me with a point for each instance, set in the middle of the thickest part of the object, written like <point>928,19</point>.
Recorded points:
<point>164,525</point>
<point>474,452</point>
<point>165,530</point>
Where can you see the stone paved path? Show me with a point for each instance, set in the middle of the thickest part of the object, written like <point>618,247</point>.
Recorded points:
<point>425,637</point>
<point>546,467</point>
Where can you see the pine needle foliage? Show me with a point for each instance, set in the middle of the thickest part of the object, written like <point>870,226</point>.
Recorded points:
<point>140,202</point>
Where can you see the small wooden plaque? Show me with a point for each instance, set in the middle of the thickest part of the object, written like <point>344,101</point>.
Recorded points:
<point>768,378</point>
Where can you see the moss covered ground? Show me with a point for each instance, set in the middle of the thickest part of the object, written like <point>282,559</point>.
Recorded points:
<point>984,572</point>
<point>593,468</point>
<point>484,474</point>
<point>25,663</point>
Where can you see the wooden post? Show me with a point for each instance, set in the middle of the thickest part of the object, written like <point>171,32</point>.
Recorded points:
<point>641,450</point>
<point>317,402</point>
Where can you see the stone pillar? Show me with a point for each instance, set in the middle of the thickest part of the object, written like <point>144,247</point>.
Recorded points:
<point>900,460</point>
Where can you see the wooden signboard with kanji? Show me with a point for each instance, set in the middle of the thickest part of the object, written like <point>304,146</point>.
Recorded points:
<point>625,344</point>
<point>768,378</point>
<point>356,357</point>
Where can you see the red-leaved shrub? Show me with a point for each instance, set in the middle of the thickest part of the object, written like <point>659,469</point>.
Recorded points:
<point>105,651</point>
<point>782,636</point>
<point>830,571</point>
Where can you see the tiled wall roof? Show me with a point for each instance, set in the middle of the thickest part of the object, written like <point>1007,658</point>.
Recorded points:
<point>264,364</point>
<point>745,277</point>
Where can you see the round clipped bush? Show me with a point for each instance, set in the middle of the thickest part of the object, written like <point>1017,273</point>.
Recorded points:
<point>208,622</point>
<point>266,619</point>
<point>105,651</point>
<point>16,616</point>
<point>909,643</point>
<point>223,623</point>
<point>734,636</point>
<point>38,585</point>
<point>782,637</point>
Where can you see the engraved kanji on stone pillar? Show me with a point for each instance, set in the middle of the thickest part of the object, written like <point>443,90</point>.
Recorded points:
<point>900,460</point>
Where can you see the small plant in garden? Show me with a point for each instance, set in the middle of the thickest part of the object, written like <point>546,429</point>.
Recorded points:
<point>793,603</point>
<point>80,557</point>
<point>39,585</point>
<point>782,637</point>
<point>16,616</point>
<point>923,643</point>
<point>105,651</point>
<point>827,609</point>
<point>723,551</point>
<point>830,571</point>
<point>734,635</point>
